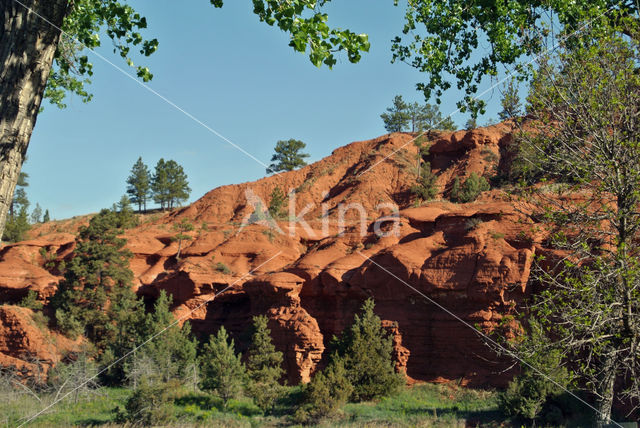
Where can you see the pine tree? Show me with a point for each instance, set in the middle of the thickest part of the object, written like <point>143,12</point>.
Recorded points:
<point>182,228</point>
<point>264,366</point>
<point>366,350</point>
<point>397,117</point>
<point>472,123</point>
<point>173,353</point>
<point>178,186</point>
<point>17,226</point>
<point>160,185</point>
<point>127,330</point>
<point>36,214</point>
<point>287,156</point>
<point>169,184</point>
<point>510,101</point>
<point>278,198</point>
<point>19,195</point>
<point>139,185</point>
<point>429,117</point>
<point>124,214</point>
<point>328,391</point>
<point>223,372</point>
<point>47,217</point>
<point>470,190</point>
<point>426,187</point>
<point>100,263</point>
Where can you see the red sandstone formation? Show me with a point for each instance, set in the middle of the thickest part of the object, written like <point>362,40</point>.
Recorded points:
<point>311,278</point>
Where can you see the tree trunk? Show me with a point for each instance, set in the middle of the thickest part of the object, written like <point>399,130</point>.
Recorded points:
<point>27,48</point>
<point>605,387</point>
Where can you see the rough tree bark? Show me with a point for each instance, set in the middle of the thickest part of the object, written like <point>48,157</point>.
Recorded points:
<point>27,48</point>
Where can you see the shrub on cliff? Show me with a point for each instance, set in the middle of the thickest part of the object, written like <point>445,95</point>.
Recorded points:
<point>366,350</point>
<point>425,188</point>
<point>470,190</point>
<point>264,366</point>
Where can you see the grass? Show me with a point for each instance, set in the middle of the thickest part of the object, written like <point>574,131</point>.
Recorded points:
<point>425,405</point>
<point>421,405</point>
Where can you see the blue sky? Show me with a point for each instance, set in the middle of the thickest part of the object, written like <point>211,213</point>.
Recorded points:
<point>235,74</point>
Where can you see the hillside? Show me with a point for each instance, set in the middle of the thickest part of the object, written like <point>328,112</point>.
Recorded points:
<point>472,259</point>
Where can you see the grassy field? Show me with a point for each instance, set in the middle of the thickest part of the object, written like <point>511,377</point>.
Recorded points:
<point>422,405</point>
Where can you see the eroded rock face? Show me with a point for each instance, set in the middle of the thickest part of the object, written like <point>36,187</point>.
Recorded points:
<point>440,270</point>
<point>26,343</point>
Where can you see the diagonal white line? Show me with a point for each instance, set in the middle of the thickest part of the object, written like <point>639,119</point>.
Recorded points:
<point>483,93</point>
<point>484,336</point>
<point>31,418</point>
<point>145,86</point>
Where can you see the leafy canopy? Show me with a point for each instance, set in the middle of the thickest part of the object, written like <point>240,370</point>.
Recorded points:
<point>444,39</point>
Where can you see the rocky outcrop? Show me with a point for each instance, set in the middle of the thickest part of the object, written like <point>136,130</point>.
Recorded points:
<point>437,270</point>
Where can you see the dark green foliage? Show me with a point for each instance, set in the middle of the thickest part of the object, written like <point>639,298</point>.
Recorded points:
<point>511,107</point>
<point>222,371</point>
<point>288,156</point>
<point>182,228</point>
<point>532,392</point>
<point>139,184</point>
<point>328,391</point>
<point>470,190</point>
<point>17,226</point>
<point>169,184</point>
<point>18,218</point>
<point>396,119</point>
<point>172,355</point>
<point>160,184</point>
<point>472,123</point>
<point>151,404</point>
<point>47,217</point>
<point>31,301</point>
<point>98,271</point>
<point>95,297</point>
<point>278,198</point>
<point>126,216</point>
<point>264,366</point>
<point>426,187</point>
<point>19,195</point>
<point>366,350</point>
<point>221,267</point>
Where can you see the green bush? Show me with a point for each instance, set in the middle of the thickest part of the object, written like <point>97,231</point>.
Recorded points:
<point>31,301</point>
<point>470,190</point>
<point>264,366</point>
<point>278,198</point>
<point>532,394</point>
<point>326,394</point>
<point>426,187</point>
<point>149,405</point>
<point>366,350</point>
<point>221,267</point>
